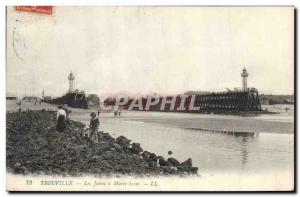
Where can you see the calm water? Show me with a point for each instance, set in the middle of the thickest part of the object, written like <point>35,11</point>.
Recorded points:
<point>269,151</point>
<point>211,152</point>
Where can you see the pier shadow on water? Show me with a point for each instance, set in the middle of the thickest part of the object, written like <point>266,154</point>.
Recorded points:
<point>227,132</point>
<point>242,137</point>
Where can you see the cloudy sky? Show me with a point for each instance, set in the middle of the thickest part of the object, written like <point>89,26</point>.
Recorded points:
<point>142,50</point>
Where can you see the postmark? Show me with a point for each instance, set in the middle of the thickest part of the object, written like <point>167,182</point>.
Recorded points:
<point>19,45</point>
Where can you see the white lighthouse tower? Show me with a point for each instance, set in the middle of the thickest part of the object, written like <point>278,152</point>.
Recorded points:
<point>244,75</point>
<point>71,78</point>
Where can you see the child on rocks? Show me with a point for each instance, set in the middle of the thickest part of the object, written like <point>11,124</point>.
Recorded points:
<point>94,126</point>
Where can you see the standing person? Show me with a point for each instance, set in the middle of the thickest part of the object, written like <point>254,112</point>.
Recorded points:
<point>65,107</point>
<point>94,125</point>
<point>119,112</point>
<point>61,119</point>
<point>98,112</point>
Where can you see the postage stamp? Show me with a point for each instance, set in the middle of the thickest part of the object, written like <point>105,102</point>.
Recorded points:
<point>48,10</point>
<point>150,98</point>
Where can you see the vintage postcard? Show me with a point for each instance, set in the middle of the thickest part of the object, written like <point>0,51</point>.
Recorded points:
<point>150,98</point>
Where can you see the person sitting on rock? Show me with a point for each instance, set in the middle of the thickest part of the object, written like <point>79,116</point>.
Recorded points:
<point>61,119</point>
<point>94,125</point>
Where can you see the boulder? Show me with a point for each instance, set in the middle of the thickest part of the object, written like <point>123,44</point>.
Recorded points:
<point>170,170</point>
<point>162,161</point>
<point>153,157</point>
<point>173,161</point>
<point>117,146</point>
<point>19,169</point>
<point>194,170</point>
<point>123,141</point>
<point>146,155</point>
<point>136,148</point>
<point>187,163</point>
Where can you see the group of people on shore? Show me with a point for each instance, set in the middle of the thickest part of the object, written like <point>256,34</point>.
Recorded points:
<point>91,130</point>
<point>62,117</point>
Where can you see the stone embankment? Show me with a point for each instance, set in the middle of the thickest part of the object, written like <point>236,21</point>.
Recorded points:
<point>34,146</point>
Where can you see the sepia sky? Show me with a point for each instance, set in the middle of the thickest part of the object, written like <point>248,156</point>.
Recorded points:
<point>145,50</point>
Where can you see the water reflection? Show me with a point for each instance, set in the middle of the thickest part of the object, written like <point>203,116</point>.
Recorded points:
<point>245,149</point>
<point>228,132</point>
<point>242,151</point>
<point>211,149</point>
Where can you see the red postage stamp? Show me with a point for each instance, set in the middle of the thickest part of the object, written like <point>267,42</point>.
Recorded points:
<point>36,9</point>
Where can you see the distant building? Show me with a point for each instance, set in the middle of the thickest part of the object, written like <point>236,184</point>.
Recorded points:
<point>93,99</point>
<point>236,89</point>
<point>71,78</point>
<point>11,98</point>
<point>30,98</point>
<point>196,92</point>
<point>276,99</point>
<point>244,76</point>
<point>47,98</point>
<point>264,100</point>
<point>288,101</point>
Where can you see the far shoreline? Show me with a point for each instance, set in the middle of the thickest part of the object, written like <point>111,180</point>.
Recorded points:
<point>197,121</point>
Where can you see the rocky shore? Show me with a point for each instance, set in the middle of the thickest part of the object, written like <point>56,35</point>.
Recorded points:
<point>34,146</point>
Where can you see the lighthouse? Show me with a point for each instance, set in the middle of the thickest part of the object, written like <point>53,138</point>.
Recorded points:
<point>71,78</point>
<point>244,75</point>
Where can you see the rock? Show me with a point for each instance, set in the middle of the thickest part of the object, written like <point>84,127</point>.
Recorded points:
<point>108,155</point>
<point>186,169</point>
<point>112,149</point>
<point>162,161</point>
<point>146,155</point>
<point>135,148</point>
<point>17,165</point>
<point>194,170</point>
<point>34,146</point>
<point>153,157</point>
<point>118,168</point>
<point>170,170</point>
<point>173,161</point>
<point>106,164</point>
<point>123,141</point>
<point>117,147</point>
<point>103,147</point>
<point>187,163</point>
<point>105,137</point>
<point>19,169</point>
<point>152,164</point>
